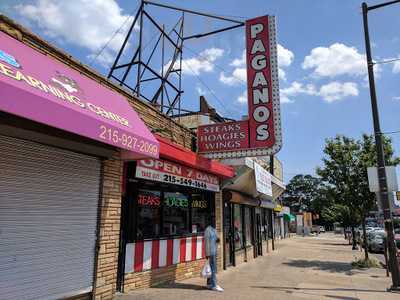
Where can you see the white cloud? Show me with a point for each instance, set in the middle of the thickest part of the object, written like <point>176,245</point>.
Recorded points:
<point>330,92</point>
<point>202,63</point>
<point>335,60</point>
<point>285,99</point>
<point>88,24</point>
<point>200,90</point>
<point>396,98</point>
<point>285,59</point>
<point>297,88</point>
<point>242,99</point>
<point>396,67</point>
<point>334,91</point>
<point>239,62</point>
<point>239,75</point>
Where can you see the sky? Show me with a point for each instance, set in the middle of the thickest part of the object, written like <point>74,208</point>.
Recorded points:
<point>321,55</point>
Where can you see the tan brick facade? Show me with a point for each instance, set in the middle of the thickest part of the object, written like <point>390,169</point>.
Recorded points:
<point>107,261</point>
<point>163,275</point>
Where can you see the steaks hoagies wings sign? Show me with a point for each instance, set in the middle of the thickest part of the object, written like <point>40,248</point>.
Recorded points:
<point>261,133</point>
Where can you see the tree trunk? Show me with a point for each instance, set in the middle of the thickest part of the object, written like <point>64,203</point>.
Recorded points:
<point>365,240</point>
<point>353,238</point>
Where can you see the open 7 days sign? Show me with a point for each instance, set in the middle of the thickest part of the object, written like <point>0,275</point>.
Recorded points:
<point>261,133</point>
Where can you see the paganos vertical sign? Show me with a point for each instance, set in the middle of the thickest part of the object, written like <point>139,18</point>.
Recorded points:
<point>261,134</point>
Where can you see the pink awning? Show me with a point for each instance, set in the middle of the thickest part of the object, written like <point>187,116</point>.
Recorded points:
<point>39,88</point>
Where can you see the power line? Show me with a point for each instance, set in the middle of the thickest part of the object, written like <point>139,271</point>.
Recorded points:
<point>112,37</point>
<point>108,42</point>
<point>209,89</point>
<point>386,61</point>
<point>218,67</point>
<point>390,132</point>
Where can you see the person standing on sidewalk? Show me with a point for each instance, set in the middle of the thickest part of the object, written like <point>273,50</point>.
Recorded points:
<point>211,239</point>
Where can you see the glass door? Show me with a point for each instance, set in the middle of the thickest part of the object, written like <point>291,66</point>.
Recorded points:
<point>258,233</point>
<point>228,236</point>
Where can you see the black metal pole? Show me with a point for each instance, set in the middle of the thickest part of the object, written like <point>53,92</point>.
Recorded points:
<point>140,49</point>
<point>193,12</point>
<point>382,4</point>
<point>383,189</point>
<point>162,68</point>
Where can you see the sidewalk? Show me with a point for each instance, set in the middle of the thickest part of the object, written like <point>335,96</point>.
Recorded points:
<point>301,268</point>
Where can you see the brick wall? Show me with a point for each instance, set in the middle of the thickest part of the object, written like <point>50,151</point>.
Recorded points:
<point>107,262</point>
<point>266,247</point>
<point>249,254</point>
<point>219,227</point>
<point>240,257</point>
<point>163,275</point>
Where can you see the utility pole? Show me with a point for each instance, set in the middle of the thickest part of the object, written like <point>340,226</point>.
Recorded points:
<point>383,190</point>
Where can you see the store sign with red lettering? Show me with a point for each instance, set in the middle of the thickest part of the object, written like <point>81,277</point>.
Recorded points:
<point>223,136</point>
<point>169,172</point>
<point>148,200</point>
<point>263,129</point>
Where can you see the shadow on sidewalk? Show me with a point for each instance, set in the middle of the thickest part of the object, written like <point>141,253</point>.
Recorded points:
<point>183,286</point>
<point>290,289</point>
<point>337,244</point>
<point>329,266</point>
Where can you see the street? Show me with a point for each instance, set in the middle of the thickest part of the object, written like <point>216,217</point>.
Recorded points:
<point>302,268</point>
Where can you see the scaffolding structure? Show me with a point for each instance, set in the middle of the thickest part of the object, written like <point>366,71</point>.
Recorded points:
<point>155,75</point>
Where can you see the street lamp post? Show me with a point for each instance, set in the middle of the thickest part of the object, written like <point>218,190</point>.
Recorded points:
<point>383,190</point>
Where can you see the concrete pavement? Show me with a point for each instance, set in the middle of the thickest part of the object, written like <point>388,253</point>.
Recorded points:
<point>301,268</point>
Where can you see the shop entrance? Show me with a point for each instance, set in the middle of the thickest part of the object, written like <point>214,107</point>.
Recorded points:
<point>229,251</point>
<point>257,233</point>
<point>48,219</point>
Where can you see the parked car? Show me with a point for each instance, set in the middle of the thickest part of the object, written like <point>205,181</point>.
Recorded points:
<point>315,229</point>
<point>375,240</point>
<point>321,229</point>
<point>397,237</point>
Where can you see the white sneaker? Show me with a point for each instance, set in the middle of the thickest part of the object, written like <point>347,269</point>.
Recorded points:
<point>218,289</point>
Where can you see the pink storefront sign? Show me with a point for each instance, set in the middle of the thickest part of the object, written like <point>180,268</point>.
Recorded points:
<point>37,87</point>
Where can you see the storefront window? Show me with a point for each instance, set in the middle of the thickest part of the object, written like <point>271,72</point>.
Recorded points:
<point>264,218</point>
<point>237,226</point>
<point>248,226</point>
<point>270,224</point>
<point>149,214</point>
<point>175,214</point>
<point>165,210</point>
<point>201,213</point>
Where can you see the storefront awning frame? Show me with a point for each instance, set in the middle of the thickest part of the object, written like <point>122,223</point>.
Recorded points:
<point>244,174</point>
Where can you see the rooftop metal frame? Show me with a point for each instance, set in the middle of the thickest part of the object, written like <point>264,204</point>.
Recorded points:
<point>167,102</point>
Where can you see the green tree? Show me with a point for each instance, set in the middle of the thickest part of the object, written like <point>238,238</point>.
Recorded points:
<point>301,192</point>
<point>344,170</point>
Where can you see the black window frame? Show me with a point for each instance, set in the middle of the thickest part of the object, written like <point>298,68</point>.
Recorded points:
<point>132,190</point>
<point>241,225</point>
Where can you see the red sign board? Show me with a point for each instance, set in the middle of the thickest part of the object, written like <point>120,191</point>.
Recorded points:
<point>261,133</point>
<point>259,83</point>
<point>223,136</point>
<point>169,172</point>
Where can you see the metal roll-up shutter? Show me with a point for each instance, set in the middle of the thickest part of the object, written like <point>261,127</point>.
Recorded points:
<point>48,216</point>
